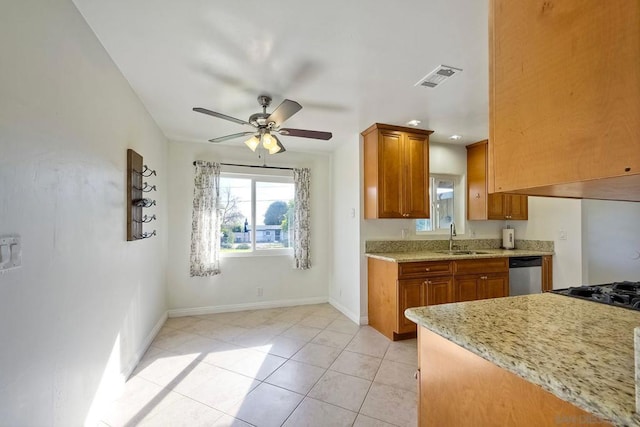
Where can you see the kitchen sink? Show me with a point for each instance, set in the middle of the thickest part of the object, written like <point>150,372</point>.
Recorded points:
<point>461,252</point>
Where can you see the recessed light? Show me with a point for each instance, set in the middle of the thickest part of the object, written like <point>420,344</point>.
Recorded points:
<point>413,122</point>
<point>455,137</point>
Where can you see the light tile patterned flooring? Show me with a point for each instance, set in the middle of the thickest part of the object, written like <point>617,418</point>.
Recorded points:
<point>297,366</point>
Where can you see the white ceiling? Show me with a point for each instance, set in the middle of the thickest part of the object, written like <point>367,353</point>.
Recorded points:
<point>349,63</point>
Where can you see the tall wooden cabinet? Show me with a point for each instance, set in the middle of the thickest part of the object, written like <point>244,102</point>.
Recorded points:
<point>396,172</point>
<point>480,204</point>
<point>564,98</point>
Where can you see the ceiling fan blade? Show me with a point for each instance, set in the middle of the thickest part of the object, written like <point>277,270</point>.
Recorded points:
<point>285,110</point>
<point>220,116</point>
<point>228,137</point>
<point>306,133</point>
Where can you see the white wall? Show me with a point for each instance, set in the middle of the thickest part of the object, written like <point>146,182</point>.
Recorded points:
<point>345,288</point>
<point>237,286</point>
<point>547,218</point>
<point>611,241</point>
<point>77,315</point>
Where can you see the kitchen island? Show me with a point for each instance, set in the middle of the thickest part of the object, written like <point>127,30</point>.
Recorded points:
<point>473,354</point>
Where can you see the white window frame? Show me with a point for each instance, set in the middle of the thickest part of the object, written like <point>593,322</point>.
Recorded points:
<point>257,252</point>
<point>459,201</point>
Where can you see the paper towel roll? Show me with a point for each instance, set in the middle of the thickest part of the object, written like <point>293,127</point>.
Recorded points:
<point>508,238</point>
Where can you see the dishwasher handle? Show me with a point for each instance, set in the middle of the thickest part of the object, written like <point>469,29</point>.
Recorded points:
<point>525,261</point>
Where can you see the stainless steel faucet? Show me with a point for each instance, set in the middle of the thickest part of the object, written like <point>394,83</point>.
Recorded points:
<point>452,232</point>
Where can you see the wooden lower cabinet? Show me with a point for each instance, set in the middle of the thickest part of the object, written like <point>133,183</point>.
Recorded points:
<point>394,287</point>
<point>459,388</point>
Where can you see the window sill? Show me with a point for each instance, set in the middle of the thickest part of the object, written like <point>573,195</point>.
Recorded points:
<point>258,253</point>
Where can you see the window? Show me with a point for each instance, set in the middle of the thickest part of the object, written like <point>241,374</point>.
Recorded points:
<point>442,192</point>
<point>256,214</point>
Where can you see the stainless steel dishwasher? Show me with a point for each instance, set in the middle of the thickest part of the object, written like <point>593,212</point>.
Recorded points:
<point>525,275</point>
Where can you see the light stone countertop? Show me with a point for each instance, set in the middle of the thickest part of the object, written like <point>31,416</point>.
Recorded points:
<point>436,256</point>
<point>581,351</point>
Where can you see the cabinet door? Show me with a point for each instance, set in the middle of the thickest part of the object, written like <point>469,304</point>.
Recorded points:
<point>390,173</point>
<point>477,181</point>
<point>517,207</point>
<point>411,294</point>
<point>496,206</point>
<point>466,288</point>
<point>416,177</point>
<point>493,286</point>
<point>440,291</point>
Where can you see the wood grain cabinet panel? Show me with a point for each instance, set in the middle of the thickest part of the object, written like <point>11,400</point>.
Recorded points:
<point>480,204</point>
<point>439,290</point>
<point>466,288</point>
<point>412,294</point>
<point>396,172</point>
<point>559,124</point>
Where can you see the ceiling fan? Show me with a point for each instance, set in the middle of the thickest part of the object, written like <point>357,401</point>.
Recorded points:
<point>267,125</point>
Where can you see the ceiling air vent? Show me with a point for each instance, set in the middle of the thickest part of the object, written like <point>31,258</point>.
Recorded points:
<point>438,76</point>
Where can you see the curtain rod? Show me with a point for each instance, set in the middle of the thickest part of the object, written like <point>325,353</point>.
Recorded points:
<point>254,166</point>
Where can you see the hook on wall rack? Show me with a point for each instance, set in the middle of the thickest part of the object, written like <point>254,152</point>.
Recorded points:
<point>146,219</point>
<point>145,235</point>
<point>146,188</point>
<point>135,197</point>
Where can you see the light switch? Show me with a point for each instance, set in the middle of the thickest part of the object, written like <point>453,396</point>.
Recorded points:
<point>10,252</point>
<point>5,254</point>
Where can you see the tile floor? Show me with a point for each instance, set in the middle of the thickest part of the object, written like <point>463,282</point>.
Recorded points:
<point>297,366</point>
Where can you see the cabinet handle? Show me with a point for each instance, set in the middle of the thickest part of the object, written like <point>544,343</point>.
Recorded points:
<point>484,277</point>
<point>477,195</point>
<point>405,215</point>
<point>428,282</point>
<point>427,269</point>
<point>416,374</point>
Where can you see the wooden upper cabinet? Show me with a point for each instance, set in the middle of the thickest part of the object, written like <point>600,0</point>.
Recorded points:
<point>564,98</point>
<point>480,204</point>
<point>396,172</point>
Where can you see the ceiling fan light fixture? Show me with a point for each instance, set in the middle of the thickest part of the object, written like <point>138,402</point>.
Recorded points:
<point>253,142</point>
<point>268,141</point>
<point>278,148</point>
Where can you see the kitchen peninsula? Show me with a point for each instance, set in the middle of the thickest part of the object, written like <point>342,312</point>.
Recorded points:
<point>541,359</point>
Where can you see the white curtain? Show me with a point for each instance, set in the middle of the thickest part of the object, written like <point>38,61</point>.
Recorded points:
<point>205,228</point>
<point>301,234</point>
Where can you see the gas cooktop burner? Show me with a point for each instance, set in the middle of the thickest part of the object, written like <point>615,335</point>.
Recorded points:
<point>623,294</point>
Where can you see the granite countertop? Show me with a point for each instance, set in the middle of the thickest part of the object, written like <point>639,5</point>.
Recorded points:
<point>432,255</point>
<point>581,351</point>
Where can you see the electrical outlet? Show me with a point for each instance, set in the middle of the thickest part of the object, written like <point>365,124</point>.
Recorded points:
<point>260,292</point>
<point>562,235</point>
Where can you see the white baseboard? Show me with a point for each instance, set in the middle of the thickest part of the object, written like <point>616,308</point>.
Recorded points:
<point>195,311</point>
<point>344,310</point>
<point>128,370</point>
<point>364,320</point>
